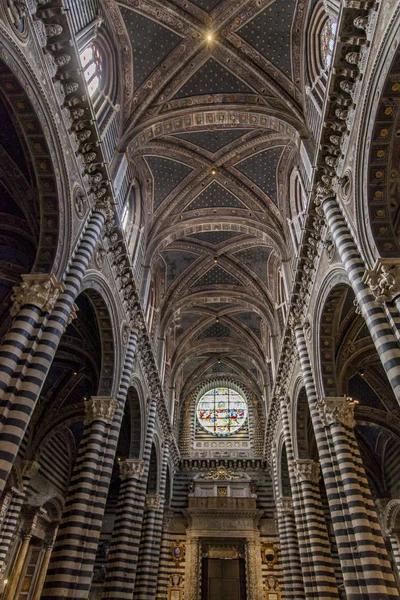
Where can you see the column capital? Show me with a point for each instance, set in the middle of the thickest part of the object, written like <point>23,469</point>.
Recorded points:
<point>100,408</point>
<point>384,279</point>
<point>153,501</point>
<point>30,468</point>
<point>41,290</point>
<point>284,505</point>
<point>306,470</point>
<point>337,410</point>
<point>132,467</point>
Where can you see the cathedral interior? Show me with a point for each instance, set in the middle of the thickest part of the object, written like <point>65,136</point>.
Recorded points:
<point>200,299</point>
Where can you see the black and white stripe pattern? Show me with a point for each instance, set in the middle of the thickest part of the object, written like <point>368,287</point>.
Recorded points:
<point>19,401</point>
<point>375,318</point>
<point>364,574</point>
<point>146,584</point>
<point>125,544</point>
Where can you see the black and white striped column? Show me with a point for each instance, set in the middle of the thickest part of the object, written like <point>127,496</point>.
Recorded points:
<point>292,573</point>
<point>357,585</point>
<point>150,546</point>
<point>375,574</point>
<point>70,570</point>
<point>376,320</point>
<point>13,505</point>
<point>126,536</point>
<point>123,556</point>
<point>19,401</point>
<point>316,560</point>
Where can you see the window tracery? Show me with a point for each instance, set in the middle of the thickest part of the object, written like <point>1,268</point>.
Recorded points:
<point>327,41</point>
<point>222,411</point>
<point>92,63</point>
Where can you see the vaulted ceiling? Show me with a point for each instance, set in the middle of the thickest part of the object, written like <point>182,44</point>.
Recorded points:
<point>213,118</point>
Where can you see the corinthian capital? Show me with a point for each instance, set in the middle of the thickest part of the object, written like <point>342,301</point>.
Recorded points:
<point>284,506</point>
<point>153,501</point>
<point>132,467</point>
<point>38,289</point>
<point>306,470</point>
<point>384,279</point>
<point>100,408</point>
<point>337,410</point>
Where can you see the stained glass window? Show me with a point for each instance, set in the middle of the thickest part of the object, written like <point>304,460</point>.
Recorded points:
<point>222,411</point>
<point>92,67</point>
<point>328,35</point>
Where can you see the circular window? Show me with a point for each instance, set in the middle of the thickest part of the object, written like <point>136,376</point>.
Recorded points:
<point>222,411</point>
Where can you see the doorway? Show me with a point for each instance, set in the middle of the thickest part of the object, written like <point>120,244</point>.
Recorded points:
<point>223,579</point>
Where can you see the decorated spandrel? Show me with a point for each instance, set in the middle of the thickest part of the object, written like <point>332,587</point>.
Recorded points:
<point>222,411</point>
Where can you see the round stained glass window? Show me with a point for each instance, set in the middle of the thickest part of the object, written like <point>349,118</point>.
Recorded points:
<point>222,411</point>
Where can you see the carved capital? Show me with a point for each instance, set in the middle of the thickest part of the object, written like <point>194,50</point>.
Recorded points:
<point>384,279</point>
<point>306,470</point>
<point>72,315</point>
<point>30,468</point>
<point>153,501</point>
<point>132,467</point>
<point>100,408</point>
<point>337,410</point>
<point>284,506</point>
<point>40,290</point>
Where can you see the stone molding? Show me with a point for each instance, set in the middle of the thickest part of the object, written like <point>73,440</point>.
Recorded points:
<point>306,470</point>
<point>132,467</point>
<point>40,290</point>
<point>153,501</point>
<point>100,408</point>
<point>337,410</point>
<point>384,279</point>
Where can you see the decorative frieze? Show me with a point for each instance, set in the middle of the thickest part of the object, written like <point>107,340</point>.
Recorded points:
<point>384,279</point>
<point>40,290</point>
<point>337,410</point>
<point>131,467</point>
<point>100,408</point>
<point>306,470</point>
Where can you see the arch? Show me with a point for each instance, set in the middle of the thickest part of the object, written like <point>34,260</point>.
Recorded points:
<point>153,477</point>
<point>135,419</point>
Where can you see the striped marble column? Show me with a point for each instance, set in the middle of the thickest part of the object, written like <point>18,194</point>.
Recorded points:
<point>375,573</point>
<point>124,548</point>
<point>18,401</point>
<point>318,571</point>
<point>375,317</point>
<point>150,546</point>
<point>292,573</point>
<point>125,543</point>
<point>357,586</point>
<point>13,505</point>
<point>34,299</point>
<point>71,566</point>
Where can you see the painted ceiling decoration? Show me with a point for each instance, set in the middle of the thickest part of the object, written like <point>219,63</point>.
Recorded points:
<point>216,276</point>
<point>215,195</point>
<point>270,33</point>
<point>215,237</point>
<point>185,322</point>
<point>207,5</point>
<point>212,141</point>
<point>177,262</point>
<point>167,175</point>
<point>216,330</point>
<point>212,78</point>
<point>256,259</point>
<point>151,43</point>
<point>251,320</point>
<point>261,168</point>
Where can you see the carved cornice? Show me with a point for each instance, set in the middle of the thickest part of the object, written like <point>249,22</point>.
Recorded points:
<point>40,290</point>
<point>132,468</point>
<point>62,58</point>
<point>337,410</point>
<point>349,62</point>
<point>306,470</point>
<point>100,408</point>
